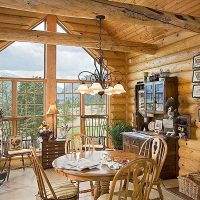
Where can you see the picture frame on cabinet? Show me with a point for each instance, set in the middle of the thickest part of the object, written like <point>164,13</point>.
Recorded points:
<point>183,123</point>
<point>196,91</point>
<point>196,76</point>
<point>196,61</point>
<point>158,125</point>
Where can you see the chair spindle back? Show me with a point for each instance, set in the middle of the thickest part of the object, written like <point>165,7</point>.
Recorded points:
<point>142,172</point>
<point>155,148</point>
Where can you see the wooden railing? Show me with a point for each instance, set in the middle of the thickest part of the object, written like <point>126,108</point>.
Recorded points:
<point>96,126</point>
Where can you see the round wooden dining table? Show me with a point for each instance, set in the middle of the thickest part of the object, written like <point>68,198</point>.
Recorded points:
<point>102,175</point>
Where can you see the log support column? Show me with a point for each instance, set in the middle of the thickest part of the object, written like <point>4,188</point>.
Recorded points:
<point>50,71</point>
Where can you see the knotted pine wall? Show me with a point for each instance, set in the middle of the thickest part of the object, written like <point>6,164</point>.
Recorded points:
<point>177,57</point>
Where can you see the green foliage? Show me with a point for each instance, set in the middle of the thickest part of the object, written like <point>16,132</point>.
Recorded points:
<point>114,131</point>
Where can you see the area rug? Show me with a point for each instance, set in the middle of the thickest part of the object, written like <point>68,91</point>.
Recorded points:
<point>176,192</point>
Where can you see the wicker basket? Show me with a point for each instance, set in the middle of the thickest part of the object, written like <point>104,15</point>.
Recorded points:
<point>190,185</point>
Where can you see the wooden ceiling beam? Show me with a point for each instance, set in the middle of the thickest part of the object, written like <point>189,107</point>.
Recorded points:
<point>14,12</point>
<point>13,19</point>
<point>114,11</point>
<point>17,26</point>
<point>73,40</point>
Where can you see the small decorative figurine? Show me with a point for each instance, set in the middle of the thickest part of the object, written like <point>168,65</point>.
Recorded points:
<point>182,133</point>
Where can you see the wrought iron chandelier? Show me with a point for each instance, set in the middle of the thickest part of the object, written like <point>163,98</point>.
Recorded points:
<point>101,80</point>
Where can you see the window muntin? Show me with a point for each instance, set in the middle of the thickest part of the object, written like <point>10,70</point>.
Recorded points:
<point>69,104</point>
<point>6,97</point>
<point>95,105</point>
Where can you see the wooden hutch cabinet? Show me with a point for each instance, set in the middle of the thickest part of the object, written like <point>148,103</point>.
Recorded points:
<point>150,99</point>
<point>132,142</point>
<point>50,151</point>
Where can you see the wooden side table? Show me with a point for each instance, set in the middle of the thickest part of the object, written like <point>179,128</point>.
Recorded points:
<point>50,151</point>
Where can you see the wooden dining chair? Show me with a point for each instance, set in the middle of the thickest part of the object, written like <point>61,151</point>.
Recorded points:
<point>64,190</point>
<point>80,143</point>
<point>155,148</point>
<point>14,148</point>
<point>142,172</point>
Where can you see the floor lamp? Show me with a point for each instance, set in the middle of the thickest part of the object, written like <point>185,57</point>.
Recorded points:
<point>53,111</point>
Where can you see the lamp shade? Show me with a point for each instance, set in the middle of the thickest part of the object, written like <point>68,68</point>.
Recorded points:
<point>52,109</point>
<point>118,89</point>
<point>96,87</point>
<point>91,92</point>
<point>83,88</point>
<point>109,90</point>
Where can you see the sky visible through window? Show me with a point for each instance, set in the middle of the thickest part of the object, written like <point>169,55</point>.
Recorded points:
<point>26,60</point>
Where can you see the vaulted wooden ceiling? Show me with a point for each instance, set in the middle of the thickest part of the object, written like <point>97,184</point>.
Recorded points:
<point>113,30</point>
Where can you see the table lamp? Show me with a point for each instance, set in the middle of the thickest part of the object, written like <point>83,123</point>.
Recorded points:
<point>52,111</point>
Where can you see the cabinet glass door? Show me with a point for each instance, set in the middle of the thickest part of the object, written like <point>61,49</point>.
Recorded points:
<point>149,97</point>
<point>159,96</point>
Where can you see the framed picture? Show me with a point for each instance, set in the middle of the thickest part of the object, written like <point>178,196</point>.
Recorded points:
<point>158,125</point>
<point>196,91</point>
<point>196,61</point>
<point>196,76</point>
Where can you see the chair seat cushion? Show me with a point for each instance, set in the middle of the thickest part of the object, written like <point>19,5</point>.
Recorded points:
<point>63,190</point>
<point>18,152</point>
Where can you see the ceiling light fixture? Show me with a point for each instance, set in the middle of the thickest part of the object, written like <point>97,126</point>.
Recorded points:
<point>101,80</point>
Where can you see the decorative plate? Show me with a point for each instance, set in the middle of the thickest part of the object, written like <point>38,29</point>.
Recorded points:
<point>151,126</point>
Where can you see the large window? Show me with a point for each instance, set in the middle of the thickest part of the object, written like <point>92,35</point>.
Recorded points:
<point>22,102</point>
<point>30,107</point>
<point>23,59</point>
<point>68,103</point>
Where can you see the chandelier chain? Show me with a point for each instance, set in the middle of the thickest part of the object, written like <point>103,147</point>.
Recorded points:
<point>101,75</point>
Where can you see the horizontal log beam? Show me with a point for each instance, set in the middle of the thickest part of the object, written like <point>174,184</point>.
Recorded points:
<point>73,40</point>
<point>114,11</point>
<point>20,20</point>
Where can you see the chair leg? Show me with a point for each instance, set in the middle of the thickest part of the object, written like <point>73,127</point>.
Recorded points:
<point>9,161</point>
<point>4,164</point>
<point>78,187</point>
<point>160,191</point>
<point>23,165</point>
<point>92,188</point>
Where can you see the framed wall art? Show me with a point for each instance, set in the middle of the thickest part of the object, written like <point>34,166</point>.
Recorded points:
<point>196,76</point>
<point>196,61</point>
<point>196,91</point>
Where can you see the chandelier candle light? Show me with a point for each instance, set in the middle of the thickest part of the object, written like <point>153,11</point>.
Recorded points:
<point>101,80</point>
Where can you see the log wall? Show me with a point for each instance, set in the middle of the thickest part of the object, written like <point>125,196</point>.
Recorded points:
<point>177,57</point>
<point>118,102</point>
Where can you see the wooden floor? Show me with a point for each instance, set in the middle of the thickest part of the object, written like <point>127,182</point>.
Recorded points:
<point>22,186</point>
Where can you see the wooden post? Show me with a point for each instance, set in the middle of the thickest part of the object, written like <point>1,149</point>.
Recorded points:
<point>50,71</point>
<point>14,107</point>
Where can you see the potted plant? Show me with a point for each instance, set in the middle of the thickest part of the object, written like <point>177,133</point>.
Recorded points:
<point>115,130</point>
